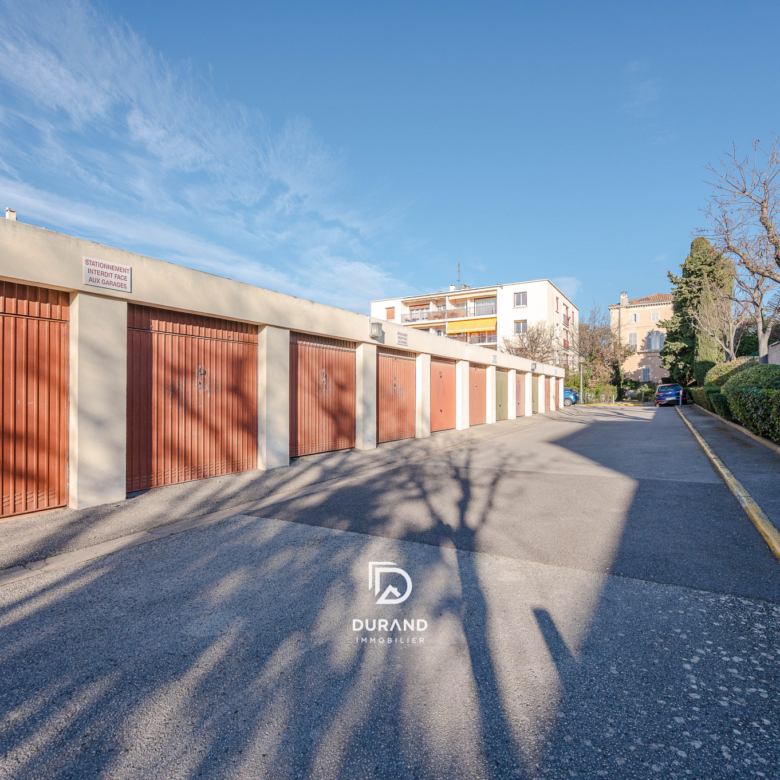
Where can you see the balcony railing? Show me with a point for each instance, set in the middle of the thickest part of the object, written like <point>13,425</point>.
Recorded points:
<point>566,320</point>
<point>474,338</point>
<point>424,315</point>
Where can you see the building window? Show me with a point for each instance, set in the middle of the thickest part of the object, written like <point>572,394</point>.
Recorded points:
<point>632,339</point>
<point>633,317</point>
<point>484,306</point>
<point>521,299</point>
<point>521,326</point>
<point>655,316</point>
<point>390,313</point>
<point>655,340</point>
<point>646,374</point>
<point>556,303</point>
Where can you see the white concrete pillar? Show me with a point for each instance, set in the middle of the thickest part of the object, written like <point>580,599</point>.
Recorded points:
<point>98,401</point>
<point>491,394</point>
<point>422,418</point>
<point>541,390</point>
<point>462,395</point>
<point>365,397</point>
<point>529,394</point>
<point>559,386</point>
<point>511,396</point>
<point>273,398</point>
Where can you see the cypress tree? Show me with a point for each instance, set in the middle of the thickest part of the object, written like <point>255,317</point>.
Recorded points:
<point>688,353</point>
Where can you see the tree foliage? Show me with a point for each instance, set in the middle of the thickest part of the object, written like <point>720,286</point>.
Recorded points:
<point>597,344</point>
<point>687,343</point>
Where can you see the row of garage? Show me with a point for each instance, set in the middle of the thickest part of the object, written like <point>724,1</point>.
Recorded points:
<point>192,396</point>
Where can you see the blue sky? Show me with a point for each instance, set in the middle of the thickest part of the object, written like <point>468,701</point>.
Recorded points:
<point>350,151</point>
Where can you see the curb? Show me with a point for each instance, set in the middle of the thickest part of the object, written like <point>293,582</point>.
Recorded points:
<point>742,429</point>
<point>746,501</point>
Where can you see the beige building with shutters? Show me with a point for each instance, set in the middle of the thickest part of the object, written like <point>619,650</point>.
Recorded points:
<point>637,322</point>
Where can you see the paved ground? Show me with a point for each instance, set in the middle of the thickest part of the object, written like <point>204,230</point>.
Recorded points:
<point>752,463</point>
<point>597,604</point>
<point>36,536</point>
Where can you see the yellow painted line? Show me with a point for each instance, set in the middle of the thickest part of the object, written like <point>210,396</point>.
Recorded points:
<point>746,501</point>
<point>742,429</point>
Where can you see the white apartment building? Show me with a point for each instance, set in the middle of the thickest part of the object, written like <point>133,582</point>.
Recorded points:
<point>485,315</point>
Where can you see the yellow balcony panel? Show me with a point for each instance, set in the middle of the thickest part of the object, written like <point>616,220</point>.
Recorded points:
<point>472,326</point>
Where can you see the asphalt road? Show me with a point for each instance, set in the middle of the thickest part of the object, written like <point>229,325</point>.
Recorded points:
<point>595,603</point>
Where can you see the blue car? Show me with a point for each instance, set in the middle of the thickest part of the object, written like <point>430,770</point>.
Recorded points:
<point>570,396</point>
<point>669,394</point>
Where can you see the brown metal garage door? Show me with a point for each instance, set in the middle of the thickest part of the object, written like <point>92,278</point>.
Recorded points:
<point>547,393</point>
<point>502,395</point>
<point>477,395</point>
<point>191,397</point>
<point>396,391</point>
<point>520,394</point>
<point>322,394</point>
<point>33,398</point>
<point>442,395</point>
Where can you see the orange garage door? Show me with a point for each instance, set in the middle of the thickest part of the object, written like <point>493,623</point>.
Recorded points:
<point>322,394</point>
<point>442,395</point>
<point>33,398</point>
<point>191,397</point>
<point>547,393</point>
<point>477,395</point>
<point>395,390</point>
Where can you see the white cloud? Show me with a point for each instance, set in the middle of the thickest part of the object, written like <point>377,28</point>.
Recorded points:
<point>100,134</point>
<point>641,95</point>
<point>568,285</point>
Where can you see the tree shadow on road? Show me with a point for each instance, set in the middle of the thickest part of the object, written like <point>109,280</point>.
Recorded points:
<point>229,651</point>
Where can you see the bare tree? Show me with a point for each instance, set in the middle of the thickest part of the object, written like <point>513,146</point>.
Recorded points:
<point>598,343</point>
<point>722,314</point>
<point>539,343</point>
<point>744,215</point>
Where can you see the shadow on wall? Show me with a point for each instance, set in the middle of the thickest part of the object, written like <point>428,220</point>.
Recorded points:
<point>236,657</point>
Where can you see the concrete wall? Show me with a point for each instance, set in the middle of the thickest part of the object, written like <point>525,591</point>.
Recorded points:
<point>512,395</point>
<point>273,398</point>
<point>98,400</point>
<point>774,353</point>
<point>98,355</point>
<point>365,397</point>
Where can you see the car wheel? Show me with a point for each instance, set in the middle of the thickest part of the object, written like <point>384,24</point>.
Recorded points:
<point>567,401</point>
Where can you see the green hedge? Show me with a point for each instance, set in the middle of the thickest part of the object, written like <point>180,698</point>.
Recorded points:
<point>700,397</point>
<point>720,374</point>
<point>754,398</point>
<point>719,403</point>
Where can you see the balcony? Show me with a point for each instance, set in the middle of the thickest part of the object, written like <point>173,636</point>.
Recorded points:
<point>423,315</point>
<point>566,320</point>
<point>487,309</point>
<point>475,338</point>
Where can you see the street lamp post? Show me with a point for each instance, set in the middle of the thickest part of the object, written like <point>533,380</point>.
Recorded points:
<point>582,397</point>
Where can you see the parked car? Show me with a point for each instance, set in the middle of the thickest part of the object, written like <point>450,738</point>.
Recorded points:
<point>670,394</point>
<point>570,396</point>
